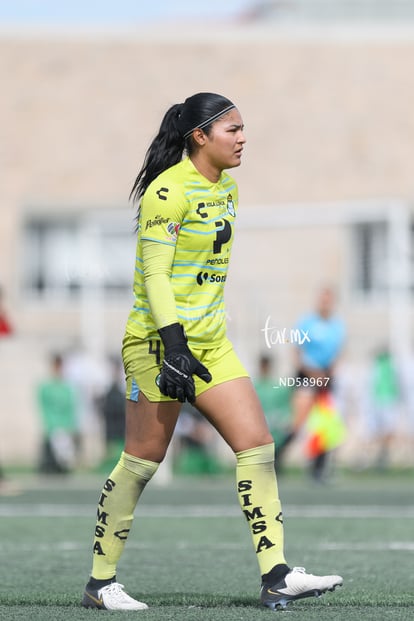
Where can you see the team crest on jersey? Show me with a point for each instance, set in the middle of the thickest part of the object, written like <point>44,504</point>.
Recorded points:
<point>173,228</point>
<point>230,206</point>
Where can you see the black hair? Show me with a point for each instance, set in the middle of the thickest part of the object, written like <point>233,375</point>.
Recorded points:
<point>56,359</point>
<point>265,360</point>
<point>174,136</point>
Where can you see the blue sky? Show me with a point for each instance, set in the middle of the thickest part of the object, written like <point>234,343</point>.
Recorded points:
<point>112,12</point>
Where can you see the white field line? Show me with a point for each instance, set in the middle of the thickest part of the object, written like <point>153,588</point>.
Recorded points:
<point>380,546</point>
<point>75,546</point>
<point>215,511</point>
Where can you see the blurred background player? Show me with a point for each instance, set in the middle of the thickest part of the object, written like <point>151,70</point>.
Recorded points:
<point>382,406</point>
<point>6,330</point>
<point>111,406</point>
<point>194,446</point>
<point>57,403</point>
<point>316,360</point>
<point>275,399</point>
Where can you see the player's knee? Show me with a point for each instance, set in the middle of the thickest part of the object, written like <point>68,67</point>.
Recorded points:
<point>254,441</point>
<point>150,452</point>
<point>266,438</point>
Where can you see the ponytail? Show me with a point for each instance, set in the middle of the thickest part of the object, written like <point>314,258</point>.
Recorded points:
<point>175,135</point>
<point>165,150</point>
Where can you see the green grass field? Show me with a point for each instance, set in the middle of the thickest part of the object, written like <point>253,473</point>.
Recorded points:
<point>189,555</point>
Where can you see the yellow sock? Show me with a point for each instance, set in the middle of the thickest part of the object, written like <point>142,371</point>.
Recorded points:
<point>259,500</point>
<point>117,503</point>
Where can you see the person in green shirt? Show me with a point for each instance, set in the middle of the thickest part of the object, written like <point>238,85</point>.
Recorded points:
<point>382,410</point>
<point>275,400</point>
<point>57,404</point>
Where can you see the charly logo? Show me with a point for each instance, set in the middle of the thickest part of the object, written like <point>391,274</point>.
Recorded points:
<point>161,193</point>
<point>230,206</point>
<point>201,206</point>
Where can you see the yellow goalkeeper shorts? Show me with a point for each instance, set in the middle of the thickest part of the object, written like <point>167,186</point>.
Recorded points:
<point>143,359</point>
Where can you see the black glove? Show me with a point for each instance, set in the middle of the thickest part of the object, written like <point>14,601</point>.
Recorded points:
<point>179,365</point>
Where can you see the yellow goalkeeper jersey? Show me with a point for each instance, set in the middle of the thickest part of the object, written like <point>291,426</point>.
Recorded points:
<point>183,209</point>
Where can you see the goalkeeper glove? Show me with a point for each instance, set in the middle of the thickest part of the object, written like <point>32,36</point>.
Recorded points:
<point>179,365</point>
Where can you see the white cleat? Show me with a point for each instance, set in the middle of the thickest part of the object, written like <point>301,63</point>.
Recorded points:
<point>111,597</point>
<point>297,584</point>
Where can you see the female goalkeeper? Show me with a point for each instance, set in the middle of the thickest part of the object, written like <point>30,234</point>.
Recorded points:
<point>176,349</point>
